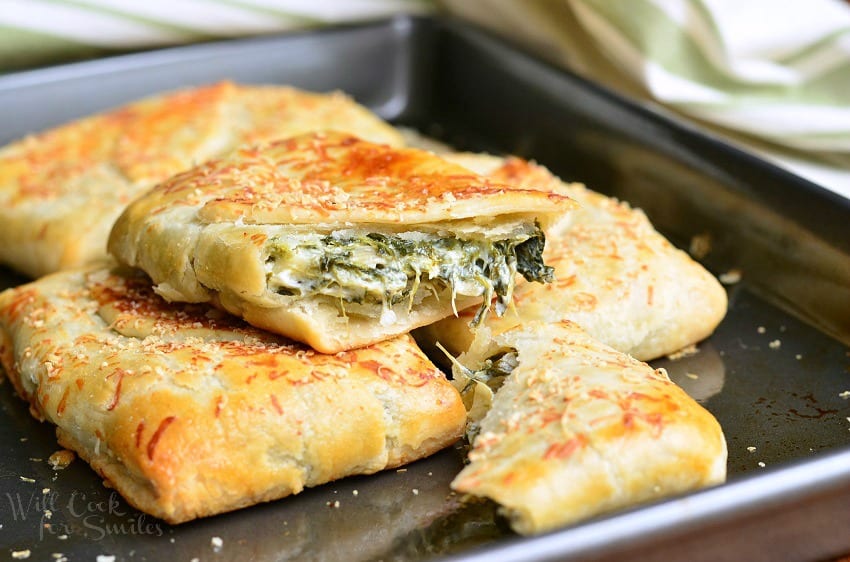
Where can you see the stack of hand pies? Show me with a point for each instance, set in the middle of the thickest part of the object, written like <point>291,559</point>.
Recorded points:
<point>269,253</point>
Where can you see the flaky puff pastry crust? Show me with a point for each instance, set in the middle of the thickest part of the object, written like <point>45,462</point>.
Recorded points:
<point>579,429</point>
<point>615,275</point>
<point>61,190</point>
<point>206,235</point>
<point>189,412</point>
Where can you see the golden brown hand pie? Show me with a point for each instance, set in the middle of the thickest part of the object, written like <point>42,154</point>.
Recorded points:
<point>336,241</point>
<point>615,275</point>
<point>61,190</point>
<point>578,429</point>
<point>189,412</point>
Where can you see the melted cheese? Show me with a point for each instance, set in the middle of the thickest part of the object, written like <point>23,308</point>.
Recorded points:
<point>387,268</point>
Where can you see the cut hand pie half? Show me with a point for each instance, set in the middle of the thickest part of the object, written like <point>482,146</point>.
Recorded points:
<point>615,275</point>
<point>336,241</point>
<point>576,428</point>
<point>61,189</point>
<point>188,412</point>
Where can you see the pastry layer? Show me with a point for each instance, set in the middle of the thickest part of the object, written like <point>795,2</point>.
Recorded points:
<point>615,275</point>
<point>577,429</point>
<point>61,190</point>
<point>336,241</point>
<point>189,412</point>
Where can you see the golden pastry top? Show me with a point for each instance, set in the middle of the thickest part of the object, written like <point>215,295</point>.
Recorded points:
<point>332,177</point>
<point>147,141</point>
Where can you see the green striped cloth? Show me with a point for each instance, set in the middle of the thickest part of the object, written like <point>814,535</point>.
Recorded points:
<point>772,75</point>
<point>38,32</point>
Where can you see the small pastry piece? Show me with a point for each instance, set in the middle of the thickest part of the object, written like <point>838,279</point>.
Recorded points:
<point>188,412</point>
<point>61,190</point>
<point>578,429</point>
<point>336,241</point>
<point>615,275</point>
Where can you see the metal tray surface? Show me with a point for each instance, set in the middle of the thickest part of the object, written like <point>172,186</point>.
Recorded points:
<point>788,498</point>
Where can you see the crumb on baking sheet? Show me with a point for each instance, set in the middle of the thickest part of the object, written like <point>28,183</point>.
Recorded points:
<point>761,464</point>
<point>105,558</point>
<point>216,543</point>
<point>61,459</point>
<point>730,277</point>
<point>692,376</point>
<point>845,395</point>
<point>354,492</point>
<point>775,344</point>
<point>751,449</point>
<point>21,554</point>
<point>25,479</point>
<point>761,329</point>
<point>700,245</point>
<point>686,351</point>
<point>415,491</point>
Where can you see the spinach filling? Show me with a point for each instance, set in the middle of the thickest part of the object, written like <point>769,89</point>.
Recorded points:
<point>478,387</point>
<point>386,269</point>
<point>494,371</point>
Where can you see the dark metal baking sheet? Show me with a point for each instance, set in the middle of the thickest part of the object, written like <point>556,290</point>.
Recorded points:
<point>788,498</point>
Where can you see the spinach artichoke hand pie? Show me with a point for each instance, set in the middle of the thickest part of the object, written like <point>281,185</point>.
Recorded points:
<point>616,276</point>
<point>336,241</point>
<point>188,411</point>
<point>576,429</point>
<point>61,190</point>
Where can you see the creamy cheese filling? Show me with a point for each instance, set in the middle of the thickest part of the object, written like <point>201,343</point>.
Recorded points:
<point>388,268</point>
